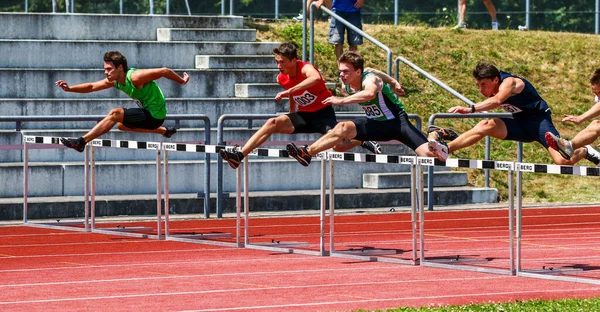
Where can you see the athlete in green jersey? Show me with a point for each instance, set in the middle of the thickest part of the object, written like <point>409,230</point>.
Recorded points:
<point>138,84</point>
<point>385,118</point>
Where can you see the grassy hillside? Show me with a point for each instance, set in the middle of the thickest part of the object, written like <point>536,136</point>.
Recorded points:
<point>557,64</point>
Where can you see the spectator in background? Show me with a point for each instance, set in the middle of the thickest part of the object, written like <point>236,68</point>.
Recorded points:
<point>462,14</point>
<point>348,10</point>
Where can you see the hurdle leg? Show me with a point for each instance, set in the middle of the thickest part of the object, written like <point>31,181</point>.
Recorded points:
<point>413,210</point>
<point>93,189</point>
<point>166,185</point>
<point>238,208</point>
<point>246,202</point>
<point>323,206</point>
<point>158,192</point>
<point>25,179</point>
<point>331,206</point>
<point>421,213</point>
<point>511,222</point>
<point>86,176</point>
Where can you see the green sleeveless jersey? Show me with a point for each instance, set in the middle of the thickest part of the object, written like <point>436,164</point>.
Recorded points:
<point>149,97</point>
<point>385,105</point>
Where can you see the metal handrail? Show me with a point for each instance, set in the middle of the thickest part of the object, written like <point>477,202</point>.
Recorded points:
<point>347,24</point>
<point>177,117</point>
<point>250,118</point>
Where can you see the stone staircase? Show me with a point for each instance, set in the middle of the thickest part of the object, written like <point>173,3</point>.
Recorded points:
<point>230,73</point>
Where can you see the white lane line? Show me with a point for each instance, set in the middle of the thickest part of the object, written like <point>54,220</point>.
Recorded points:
<point>336,285</point>
<point>200,275</point>
<point>487,294</point>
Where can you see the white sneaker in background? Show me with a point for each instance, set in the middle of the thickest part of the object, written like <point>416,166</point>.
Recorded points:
<point>461,25</point>
<point>495,25</point>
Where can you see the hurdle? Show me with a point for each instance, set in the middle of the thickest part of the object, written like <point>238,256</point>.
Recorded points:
<point>71,226</point>
<point>374,254</point>
<point>467,263</point>
<point>278,246</point>
<point>564,273</point>
<point>211,238</point>
<point>131,231</point>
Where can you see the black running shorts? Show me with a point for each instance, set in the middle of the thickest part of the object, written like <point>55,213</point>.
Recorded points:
<point>139,118</point>
<point>320,121</point>
<point>399,129</point>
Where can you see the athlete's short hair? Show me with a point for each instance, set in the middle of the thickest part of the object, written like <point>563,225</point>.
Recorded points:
<point>353,58</point>
<point>117,59</point>
<point>485,70</point>
<point>287,50</point>
<point>595,78</point>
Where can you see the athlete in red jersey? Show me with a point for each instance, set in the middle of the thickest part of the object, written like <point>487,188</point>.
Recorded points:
<point>305,87</point>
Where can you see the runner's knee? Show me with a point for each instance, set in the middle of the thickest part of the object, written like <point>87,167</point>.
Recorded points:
<point>486,126</point>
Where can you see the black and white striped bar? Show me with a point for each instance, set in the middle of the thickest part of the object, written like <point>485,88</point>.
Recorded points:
<point>41,140</point>
<point>558,169</point>
<point>126,144</point>
<point>381,158</point>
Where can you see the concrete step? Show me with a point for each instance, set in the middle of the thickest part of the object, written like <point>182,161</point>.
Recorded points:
<point>234,61</point>
<point>55,153</point>
<point>186,203</point>
<point>205,34</point>
<point>87,54</point>
<point>204,83</point>
<point>263,89</point>
<point>96,26</point>
<point>402,179</point>
<point>185,176</point>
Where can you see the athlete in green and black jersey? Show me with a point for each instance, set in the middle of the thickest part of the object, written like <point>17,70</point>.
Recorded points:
<point>385,116</point>
<point>138,84</point>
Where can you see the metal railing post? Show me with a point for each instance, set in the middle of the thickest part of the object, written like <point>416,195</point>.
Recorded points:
<point>304,30</point>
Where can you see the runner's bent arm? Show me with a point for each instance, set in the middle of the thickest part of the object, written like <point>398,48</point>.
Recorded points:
<point>85,87</point>
<point>396,85</point>
<point>371,85</point>
<point>142,76</point>
<point>507,88</point>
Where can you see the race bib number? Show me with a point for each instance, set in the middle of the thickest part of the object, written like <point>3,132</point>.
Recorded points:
<point>372,111</point>
<point>305,98</point>
<point>510,108</point>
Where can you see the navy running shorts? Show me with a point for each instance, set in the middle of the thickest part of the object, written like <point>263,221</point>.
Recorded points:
<point>529,128</point>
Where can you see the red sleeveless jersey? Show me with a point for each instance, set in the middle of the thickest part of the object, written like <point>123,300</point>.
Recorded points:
<point>308,100</point>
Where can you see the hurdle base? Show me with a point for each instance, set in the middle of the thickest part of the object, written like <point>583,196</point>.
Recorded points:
<point>203,235</point>
<point>458,260</point>
<point>555,271</point>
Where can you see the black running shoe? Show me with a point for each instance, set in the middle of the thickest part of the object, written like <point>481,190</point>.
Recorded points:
<point>372,146</point>
<point>76,144</point>
<point>170,132</point>
<point>445,134</point>
<point>300,154</point>
<point>234,159</point>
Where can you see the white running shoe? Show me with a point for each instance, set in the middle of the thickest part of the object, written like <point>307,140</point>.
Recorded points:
<point>564,147</point>
<point>439,149</point>
<point>593,155</point>
<point>495,25</point>
<point>460,25</point>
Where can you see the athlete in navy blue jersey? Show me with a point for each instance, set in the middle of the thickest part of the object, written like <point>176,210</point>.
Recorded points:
<point>531,121</point>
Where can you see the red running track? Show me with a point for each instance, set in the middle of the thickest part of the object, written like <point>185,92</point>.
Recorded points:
<point>53,270</point>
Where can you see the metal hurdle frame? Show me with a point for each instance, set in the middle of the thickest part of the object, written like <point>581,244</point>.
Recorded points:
<point>27,140</point>
<point>457,264</point>
<point>284,247</point>
<point>376,254</point>
<point>547,273</point>
<point>201,238</point>
<point>128,144</point>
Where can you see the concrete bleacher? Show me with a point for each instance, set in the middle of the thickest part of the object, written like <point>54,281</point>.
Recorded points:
<point>230,73</point>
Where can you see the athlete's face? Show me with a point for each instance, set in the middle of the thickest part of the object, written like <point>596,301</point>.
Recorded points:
<point>488,87</point>
<point>285,65</point>
<point>112,73</point>
<point>349,74</point>
<point>596,90</point>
